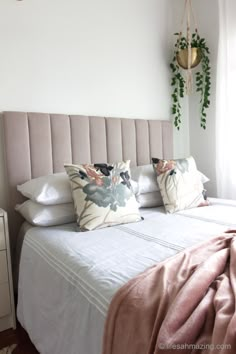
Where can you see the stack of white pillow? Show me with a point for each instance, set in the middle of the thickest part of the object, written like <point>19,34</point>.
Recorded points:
<point>50,200</point>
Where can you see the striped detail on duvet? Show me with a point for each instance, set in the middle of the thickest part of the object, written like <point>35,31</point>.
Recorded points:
<point>146,237</point>
<point>205,219</point>
<point>90,293</point>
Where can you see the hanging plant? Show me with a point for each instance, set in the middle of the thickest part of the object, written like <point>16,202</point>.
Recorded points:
<point>190,51</point>
<point>199,54</point>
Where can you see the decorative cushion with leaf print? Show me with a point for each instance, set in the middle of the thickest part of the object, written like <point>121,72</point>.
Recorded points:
<point>180,184</point>
<point>103,195</point>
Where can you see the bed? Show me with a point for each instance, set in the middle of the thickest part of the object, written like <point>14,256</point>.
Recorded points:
<point>68,278</point>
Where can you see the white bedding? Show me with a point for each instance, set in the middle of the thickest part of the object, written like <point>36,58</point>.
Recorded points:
<point>67,278</point>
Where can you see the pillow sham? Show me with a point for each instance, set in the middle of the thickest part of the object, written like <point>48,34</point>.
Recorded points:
<point>150,200</point>
<point>48,190</point>
<point>145,177</point>
<point>180,184</point>
<point>148,195</point>
<point>102,195</point>
<point>46,215</point>
<point>52,189</point>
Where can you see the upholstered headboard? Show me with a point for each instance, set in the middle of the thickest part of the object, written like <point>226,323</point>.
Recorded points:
<point>39,144</point>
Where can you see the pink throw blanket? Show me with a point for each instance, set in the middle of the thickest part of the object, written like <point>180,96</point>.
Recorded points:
<point>185,304</point>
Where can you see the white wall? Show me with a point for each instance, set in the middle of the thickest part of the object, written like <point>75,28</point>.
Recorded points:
<point>182,136</point>
<point>202,143</point>
<point>106,57</point>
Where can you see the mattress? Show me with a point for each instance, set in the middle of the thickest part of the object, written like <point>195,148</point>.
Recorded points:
<point>68,278</point>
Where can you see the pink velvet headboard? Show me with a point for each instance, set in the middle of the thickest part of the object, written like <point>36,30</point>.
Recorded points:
<point>39,144</point>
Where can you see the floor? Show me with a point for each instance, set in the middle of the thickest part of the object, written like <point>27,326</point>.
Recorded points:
<point>19,337</point>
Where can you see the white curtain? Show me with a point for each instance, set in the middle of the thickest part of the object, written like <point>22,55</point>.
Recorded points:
<point>226,101</point>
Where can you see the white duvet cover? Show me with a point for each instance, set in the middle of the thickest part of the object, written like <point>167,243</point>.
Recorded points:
<point>68,278</point>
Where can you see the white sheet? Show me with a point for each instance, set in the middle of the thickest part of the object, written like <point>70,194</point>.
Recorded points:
<point>20,238</point>
<point>67,279</point>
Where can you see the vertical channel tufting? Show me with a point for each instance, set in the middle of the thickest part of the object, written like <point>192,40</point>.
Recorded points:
<point>80,141</point>
<point>50,125</point>
<point>40,144</point>
<point>167,138</point>
<point>17,147</point>
<point>155,136</point>
<point>89,138</point>
<point>29,142</point>
<point>114,140</point>
<point>105,119</point>
<point>142,138</point>
<point>149,142</point>
<point>30,157</point>
<point>17,162</point>
<point>98,139</point>
<point>129,140</point>
<point>61,141</point>
<point>72,157</point>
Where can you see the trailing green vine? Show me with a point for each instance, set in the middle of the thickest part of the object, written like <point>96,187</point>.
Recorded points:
<point>202,78</point>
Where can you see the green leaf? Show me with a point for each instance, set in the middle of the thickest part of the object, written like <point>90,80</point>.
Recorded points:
<point>202,79</point>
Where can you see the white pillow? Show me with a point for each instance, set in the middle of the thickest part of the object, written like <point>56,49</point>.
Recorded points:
<point>46,215</point>
<point>146,178</point>
<point>52,189</point>
<point>149,194</point>
<point>135,187</point>
<point>48,190</point>
<point>150,200</point>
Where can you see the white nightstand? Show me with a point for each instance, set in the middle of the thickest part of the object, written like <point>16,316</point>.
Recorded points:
<point>7,306</point>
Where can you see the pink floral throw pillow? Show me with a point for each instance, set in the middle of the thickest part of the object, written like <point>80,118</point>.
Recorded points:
<point>102,195</point>
<point>180,184</point>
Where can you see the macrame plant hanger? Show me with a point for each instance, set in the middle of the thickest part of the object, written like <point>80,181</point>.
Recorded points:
<point>188,15</point>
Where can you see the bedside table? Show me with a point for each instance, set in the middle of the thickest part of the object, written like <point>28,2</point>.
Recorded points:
<point>7,306</point>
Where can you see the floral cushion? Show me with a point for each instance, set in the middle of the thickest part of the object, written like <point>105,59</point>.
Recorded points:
<point>102,195</point>
<point>180,184</point>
